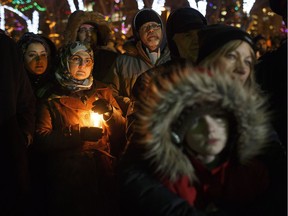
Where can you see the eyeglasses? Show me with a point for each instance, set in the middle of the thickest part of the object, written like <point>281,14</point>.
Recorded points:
<point>76,60</point>
<point>149,27</point>
<point>86,30</point>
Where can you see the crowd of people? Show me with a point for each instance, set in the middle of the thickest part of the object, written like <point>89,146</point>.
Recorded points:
<point>189,120</point>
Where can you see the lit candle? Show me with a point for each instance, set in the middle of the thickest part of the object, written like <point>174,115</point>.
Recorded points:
<point>96,119</point>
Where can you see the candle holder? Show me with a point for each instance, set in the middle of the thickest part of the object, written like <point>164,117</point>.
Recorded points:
<point>91,133</point>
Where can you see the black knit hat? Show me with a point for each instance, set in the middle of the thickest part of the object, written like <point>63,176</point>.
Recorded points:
<point>146,15</point>
<point>214,36</point>
<point>183,20</point>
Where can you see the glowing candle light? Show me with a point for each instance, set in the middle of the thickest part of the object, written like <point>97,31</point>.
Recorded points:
<point>96,119</point>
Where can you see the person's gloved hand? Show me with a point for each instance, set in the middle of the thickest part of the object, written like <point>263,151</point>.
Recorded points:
<point>72,130</point>
<point>102,106</point>
<point>84,133</point>
<point>90,133</point>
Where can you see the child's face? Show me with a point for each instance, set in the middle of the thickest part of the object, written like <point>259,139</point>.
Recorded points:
<point>208,136</point>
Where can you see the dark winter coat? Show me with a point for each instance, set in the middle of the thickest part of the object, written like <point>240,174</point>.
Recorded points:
<point>271,74</point>
<point>17,121</point>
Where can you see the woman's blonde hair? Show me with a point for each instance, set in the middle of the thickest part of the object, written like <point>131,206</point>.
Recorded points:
<point>210,60</point>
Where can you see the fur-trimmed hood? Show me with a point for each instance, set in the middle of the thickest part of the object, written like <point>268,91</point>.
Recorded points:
<point>79,17</point>
<point>183,88</point>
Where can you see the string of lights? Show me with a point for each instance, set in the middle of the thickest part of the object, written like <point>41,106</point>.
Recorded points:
<point>18,16</point>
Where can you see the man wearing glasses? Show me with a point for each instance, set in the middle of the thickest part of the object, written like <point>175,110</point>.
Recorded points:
<point>147,50</point>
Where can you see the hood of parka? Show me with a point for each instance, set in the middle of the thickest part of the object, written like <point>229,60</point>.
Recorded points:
<point>184,88</point>
<point>79,17</point>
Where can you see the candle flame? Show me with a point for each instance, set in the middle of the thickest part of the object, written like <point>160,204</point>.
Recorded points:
<point>97,119</point>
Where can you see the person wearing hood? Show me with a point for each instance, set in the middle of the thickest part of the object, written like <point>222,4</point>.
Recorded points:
<point>76,155</point>
<point>149,50</point>
<point>195,148</point>
<point>37,62</point>
<point>232,51</point>
<point>91,27</point>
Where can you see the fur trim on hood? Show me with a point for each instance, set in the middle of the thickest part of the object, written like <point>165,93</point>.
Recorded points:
<point>79,17</point>
<point>171,94</point>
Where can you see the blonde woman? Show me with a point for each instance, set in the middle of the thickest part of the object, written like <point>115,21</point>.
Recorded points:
<point>229,49</point>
